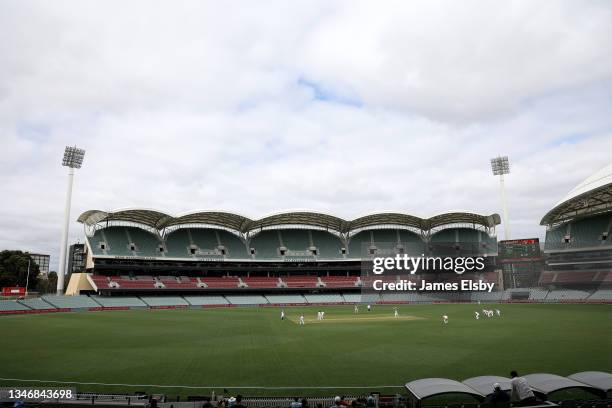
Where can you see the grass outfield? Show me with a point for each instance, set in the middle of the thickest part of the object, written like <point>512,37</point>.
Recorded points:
<point>232,347</point>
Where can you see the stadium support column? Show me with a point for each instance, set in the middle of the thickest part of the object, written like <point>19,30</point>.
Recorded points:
<point>62,261</point>
<point>73,159</point>
<point>502,186</point>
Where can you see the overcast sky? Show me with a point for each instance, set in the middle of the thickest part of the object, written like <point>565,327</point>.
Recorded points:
<point>344,107</point>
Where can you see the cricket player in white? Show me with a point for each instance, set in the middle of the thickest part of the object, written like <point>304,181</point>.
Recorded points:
<point>319,315</point>
<point>498,312</point>
<point>395,312</point>
<point>369,308</point>
<point>282,315</point>
<point>322,315</point>
<point>445,319</point>
<point>356,309</point>
<point>477,315</point>
<point>301,320</point>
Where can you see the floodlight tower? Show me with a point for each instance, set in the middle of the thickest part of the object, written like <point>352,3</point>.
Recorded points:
<point>500,166</point>
<point>73,159</point>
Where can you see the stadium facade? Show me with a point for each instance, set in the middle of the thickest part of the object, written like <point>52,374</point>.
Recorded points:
<point>578,245</point>
<point>144,250</point>
<point>141,251</point>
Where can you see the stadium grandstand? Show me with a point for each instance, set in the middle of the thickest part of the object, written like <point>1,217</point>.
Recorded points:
<point>578,248</point>
<point>148,252</point>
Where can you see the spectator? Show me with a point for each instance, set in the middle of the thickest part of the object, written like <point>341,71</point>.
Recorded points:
<point>371,402</point>
<point>499,398</point>
<point>337,402</point>
<point>521,391</point>
<point>304,403</point>
<point>238,403</point>
<point>296,403</point>
<point>207,403</point>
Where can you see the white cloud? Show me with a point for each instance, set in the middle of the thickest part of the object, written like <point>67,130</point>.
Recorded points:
<point>343,107</point>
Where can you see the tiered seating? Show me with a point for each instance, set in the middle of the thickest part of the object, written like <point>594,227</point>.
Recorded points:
<point>205,239</point>
<point>575,276</point>
<point>172,283</point>
<point>95,241</point>
<point>146,243</point>
<point>339,281</point>
<point>601,294</point>
<point>140,282</point>
<point>328,246</point>
<point>399,297</point>
<point>446,235</point>
<point>177,243</point>
<point>352,297</point>
<point>537,294</point>
<point>295,239</point>
<point>298,299</point>
<point>11,305</point>
<point>547,277</point>
<point>587,231</point>
<point>164,301</point>
<point>567,294</point>
<point>266,244</point>
<point>246,300</point>
<point>327,298</point>
<point>554,237</point>
<point>468,235</point>
<point>119,301</point>
<point>261,282</point>
<point>359,243</point>
<point>489,296</point>
<point>36,303</point>
<point>70,302</point>
<point>234,246</point>
<point>229,282</point>
<point>301,281</point>
<point>117,241</point>
<point>206,300</point>
<point>412,243</point>
<point>102,282</point>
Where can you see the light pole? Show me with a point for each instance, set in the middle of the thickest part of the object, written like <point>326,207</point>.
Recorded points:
<point>73,159</point>
<point>500,166</point>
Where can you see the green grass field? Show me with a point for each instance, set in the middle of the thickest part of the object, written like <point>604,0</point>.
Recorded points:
<point>240,347</point>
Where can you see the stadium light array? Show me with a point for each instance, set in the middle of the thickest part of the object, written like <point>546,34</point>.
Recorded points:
<point>73,159</point>
<point>500,166</point>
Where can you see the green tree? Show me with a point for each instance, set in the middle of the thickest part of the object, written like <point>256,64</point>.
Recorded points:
<point>47,284</point>
<point>14,269</point>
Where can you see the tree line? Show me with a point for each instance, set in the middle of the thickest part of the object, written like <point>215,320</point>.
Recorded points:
<point>14,272</point>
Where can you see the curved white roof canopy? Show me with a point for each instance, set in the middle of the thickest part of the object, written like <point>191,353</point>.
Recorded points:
<point>592,196</point>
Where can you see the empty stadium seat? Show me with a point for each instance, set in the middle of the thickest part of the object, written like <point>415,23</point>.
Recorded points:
<point>11,305</point>
<point>70,302</point>
<point>164,301</point>
<point>261,282</point>
<point>339,281</point>
<point>36,304</point>
<point>300,281</point>
<point>206,300</point>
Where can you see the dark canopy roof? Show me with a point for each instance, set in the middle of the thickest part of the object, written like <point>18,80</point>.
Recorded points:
<point>428,387</point>
<point>159,220</point>
<point>597,379</point>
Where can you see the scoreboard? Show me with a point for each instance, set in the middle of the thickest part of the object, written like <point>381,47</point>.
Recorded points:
<point>519,249</point>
